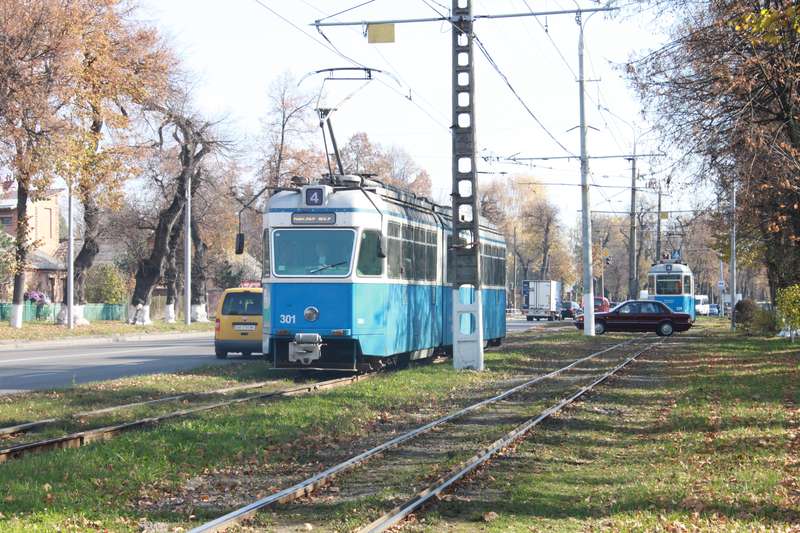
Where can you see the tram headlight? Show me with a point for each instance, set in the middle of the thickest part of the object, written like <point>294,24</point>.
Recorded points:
<point>311,313</point>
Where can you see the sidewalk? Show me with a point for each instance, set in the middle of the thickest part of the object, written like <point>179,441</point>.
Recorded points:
<point>9,345</point>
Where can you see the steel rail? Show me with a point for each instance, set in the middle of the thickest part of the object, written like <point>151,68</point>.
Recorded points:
<point>399,513</point>
<point>28,426</point>
<point>322,478</point>
<point>81,438</point>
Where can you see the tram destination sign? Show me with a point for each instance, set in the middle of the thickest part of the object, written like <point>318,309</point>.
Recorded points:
<point>313,219</point>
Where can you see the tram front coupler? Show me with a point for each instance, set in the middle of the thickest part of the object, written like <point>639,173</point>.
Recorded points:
<point>306,348</point>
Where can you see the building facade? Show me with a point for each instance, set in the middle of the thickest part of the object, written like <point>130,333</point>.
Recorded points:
<point>45,272</point>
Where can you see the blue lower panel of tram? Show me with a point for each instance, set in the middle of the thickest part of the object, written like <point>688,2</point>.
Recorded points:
<point>680,303</point>
<point>371,320</point>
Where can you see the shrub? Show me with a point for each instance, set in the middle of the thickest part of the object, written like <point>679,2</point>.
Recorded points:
<point>105,284</point>
<point>788,303</point>
<point>765,323</point>
<point>745,312</point>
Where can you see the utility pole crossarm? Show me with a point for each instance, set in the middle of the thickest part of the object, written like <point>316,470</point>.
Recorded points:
<point>457,18</point>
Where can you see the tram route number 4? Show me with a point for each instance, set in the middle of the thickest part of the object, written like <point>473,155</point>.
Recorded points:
<point>314,196</point>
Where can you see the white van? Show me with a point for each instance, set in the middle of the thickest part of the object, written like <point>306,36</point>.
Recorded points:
<point>701,306</point>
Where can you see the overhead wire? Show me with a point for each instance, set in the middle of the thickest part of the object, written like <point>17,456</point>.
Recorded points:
<point>330,47</point>
<point>505,79</point>
<point>342,12</point>
<point>395,70</point>
<point>328,44</point>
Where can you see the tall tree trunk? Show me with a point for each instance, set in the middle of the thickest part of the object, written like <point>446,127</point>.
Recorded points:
<point>20,253</point>
<point>199,268</point>
<point>545,249</point>
<point>171,271</point>
<point>150,269</point>
<point>91,227</point>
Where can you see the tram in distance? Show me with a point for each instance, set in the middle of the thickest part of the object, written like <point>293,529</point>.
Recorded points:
<point>671,281</point>
<point>355,276</point>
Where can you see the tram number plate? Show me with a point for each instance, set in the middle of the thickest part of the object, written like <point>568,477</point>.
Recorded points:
<point>244,327</point>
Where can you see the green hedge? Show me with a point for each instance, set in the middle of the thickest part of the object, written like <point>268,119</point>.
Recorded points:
<point>49,312</point>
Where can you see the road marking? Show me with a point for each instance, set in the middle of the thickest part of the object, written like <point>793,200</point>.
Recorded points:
<point>51,357</point>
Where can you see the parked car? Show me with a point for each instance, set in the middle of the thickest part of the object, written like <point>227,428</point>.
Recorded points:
<point>713,310</point>
<point>238,324</point>
<point>570,309</point>
<point>601,304</point>
<point>640,315</point>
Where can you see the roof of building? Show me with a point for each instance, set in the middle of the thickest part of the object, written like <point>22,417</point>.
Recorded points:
<point>109,251</point>
<point>39,260</point>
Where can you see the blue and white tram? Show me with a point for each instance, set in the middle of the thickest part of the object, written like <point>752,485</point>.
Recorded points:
<point>355,275</point>
<point>672,283</point>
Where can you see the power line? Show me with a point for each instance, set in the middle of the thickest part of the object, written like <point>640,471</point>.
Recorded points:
<point>362,4</point>
<point>328,46</point>
<point>497,69</point>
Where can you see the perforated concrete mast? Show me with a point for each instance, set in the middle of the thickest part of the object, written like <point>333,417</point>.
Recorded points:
<point>465,274</point>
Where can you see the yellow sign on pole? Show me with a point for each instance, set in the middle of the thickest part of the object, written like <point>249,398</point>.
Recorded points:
<point>380,33</point>
<point>664,215</point>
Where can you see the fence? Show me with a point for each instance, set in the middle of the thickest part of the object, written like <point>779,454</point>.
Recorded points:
<point>48,313</point>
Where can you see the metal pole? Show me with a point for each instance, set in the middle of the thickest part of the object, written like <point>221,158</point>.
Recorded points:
<point>658,227</point>
<point>70,261</point>
<point>633,275</point>
<point>514,292</point>
<point>588,289</point>
<point>187,253</point>
<point>465,245</point>
<point>733,258</point>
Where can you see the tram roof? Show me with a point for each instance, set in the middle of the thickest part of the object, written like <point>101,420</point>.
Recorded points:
<point>670,268</point>
<point>382,194</point>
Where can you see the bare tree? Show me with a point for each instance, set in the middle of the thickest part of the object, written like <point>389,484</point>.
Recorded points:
<point>194,139</point>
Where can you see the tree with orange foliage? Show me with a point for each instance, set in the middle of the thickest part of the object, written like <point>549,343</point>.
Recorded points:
<point>726,88</point>
<point>39,38</point>
<point>123,67</point>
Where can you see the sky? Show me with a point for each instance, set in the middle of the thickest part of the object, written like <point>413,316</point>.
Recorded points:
<point>235,49</point>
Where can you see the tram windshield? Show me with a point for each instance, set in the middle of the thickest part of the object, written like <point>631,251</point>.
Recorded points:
<point>312,252</point>
<point>669,284</point>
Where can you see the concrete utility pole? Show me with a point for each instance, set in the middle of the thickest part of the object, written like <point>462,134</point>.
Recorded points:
<point>586,224</point>
<point>465,247</point>
<point>187,253</point>
<point>633,274</point>
<point>733,257</point>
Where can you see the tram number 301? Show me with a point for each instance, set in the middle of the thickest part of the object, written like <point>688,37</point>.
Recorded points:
<point>287,319</point>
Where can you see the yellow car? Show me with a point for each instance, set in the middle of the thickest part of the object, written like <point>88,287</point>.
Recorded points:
<point>238,324</point>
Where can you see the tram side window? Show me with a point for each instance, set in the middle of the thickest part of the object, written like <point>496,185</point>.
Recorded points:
<point>369,264</point>
<point>687,285</point>
<point>412,252</point>
<point>265,267</point>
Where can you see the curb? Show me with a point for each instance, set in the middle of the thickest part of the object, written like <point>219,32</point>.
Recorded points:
<point>108,339</point>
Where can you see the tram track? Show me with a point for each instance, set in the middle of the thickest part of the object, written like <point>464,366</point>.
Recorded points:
<point>443,483</point>
<point>308,486</point>
<point>79,438</point>
<point>82,438</point>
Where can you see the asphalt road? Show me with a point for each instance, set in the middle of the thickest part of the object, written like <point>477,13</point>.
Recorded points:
<point>63,366</point>
<point>43,368</point>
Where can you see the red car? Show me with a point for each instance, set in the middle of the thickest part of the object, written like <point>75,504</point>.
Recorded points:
<point>640,315</point>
